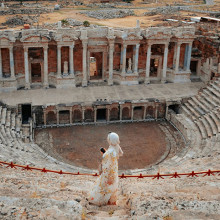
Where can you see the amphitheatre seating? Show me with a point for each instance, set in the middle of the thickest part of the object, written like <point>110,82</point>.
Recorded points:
<point>203,110</point>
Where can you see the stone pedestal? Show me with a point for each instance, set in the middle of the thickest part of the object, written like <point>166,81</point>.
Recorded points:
<point>66,82</point>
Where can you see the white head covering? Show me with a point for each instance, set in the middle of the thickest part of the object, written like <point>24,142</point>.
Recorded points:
<point>113,140</point>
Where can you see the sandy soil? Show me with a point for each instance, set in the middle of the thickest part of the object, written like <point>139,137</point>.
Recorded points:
<point>143,143</point>
<point>145,21</point>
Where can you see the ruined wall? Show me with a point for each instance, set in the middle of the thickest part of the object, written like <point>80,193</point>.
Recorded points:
<point>78,53</point>
<point>19,59</point>
<point>52,59</point>
<point>64,56</point>
<point>117,57</point>
<point>142,55</point>
<point>5,61</point>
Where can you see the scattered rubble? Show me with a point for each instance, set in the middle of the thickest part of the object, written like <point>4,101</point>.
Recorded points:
<point>162,11</point>
<point>12,11</point>
<point>109,14</point>
<point>20,20</point>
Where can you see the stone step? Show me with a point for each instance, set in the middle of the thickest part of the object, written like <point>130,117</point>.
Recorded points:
<point>211,124</point>
<point>196,107</point>
<point>192,110</point>
<point>215,119</point>
<point>212,96</point>
<point>207,127</point>
<point>187,112</point>
<point>199,103</point>
<point>201,128</point>
<point>214,91</point>
<point>206,95</point>
<point>204,102</point>
<point>215,86</point>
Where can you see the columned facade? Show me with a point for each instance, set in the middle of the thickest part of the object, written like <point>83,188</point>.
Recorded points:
<point>61,58</point>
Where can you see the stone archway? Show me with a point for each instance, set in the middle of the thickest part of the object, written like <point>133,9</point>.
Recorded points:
<point>126,113</point>
<point>150,112</point>
<point>51,118</point>
<point>114,114</point>
<point>77,116</point>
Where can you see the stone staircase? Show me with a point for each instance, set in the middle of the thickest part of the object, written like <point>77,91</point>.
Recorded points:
<point>204,110</point>
<point>36,195</point>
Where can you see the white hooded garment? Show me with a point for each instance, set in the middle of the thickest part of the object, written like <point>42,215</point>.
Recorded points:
<point>106,186</point>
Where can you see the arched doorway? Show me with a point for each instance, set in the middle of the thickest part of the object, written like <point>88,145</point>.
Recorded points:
<point>64,117</point>
<point>126,114</point>
<point>114,114</point>
<point>89,116</point>
<point>138,113</point>
<point>77,116</point>
<point>150,112</point>
<point>51,118</point>
<point>95,65</point>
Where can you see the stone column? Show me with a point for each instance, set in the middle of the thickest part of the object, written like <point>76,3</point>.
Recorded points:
<point>58,60</point>
<point>26,68</point>
<point>147,76</point>
<point>1,74</point>
<point>71,116</point>
<point>136,59</point>
<point>156,111</point>
<point>71,60</point>
<point>120,117</point>
<point>83,114</point>
<point>111,51</point>
<point>95,114</point>
<point>189,57</point>
<point>132,113</point>
<point>12,67</point>
<point>46,85</point>
<point>124,59</point>
<point>144,115</point>
<point>177,57</point>
<point>84,82</point>
<point>58,117</point>
<point>164,75</point>
<point>45,117</point>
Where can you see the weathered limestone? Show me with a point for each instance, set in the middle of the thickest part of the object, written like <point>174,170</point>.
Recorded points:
<point>163,80</point>
<point>1,74</point>
<point>46,85</point>
<point>136,58</point>
<point>27,81</point>
<point>147,76</point>
<point>119,53</point>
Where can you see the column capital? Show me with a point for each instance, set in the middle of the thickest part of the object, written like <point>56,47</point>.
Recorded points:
<point>137,45</point>
<point>166,44</point>
<point>59,46</point>
<point>71,46</point>
<point>85,42</point>
<point>45,47</point>
<point>25,48</point>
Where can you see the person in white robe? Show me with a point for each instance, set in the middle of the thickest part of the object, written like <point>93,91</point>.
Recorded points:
<point>105,190</point>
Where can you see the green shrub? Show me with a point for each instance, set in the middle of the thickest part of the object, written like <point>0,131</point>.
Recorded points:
<point>86,23</point>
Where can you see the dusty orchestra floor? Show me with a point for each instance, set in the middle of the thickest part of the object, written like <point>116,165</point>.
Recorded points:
<point>143,143</point>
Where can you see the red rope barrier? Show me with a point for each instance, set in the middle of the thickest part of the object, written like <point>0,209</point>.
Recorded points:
<point>157,176</point>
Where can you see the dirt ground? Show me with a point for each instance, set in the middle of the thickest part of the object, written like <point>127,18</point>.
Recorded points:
<point>71,11</point>
<point>143,143</point>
